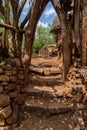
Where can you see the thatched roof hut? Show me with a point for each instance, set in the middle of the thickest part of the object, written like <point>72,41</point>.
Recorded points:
<point>55,26</point>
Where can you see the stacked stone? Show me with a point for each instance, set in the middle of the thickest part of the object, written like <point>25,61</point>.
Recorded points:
<point>11,81</point>
<point>74,75</point>
<point>75,80</point>
<point>78,92</point>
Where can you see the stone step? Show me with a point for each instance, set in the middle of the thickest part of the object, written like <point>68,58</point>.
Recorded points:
<point>45,71</point>
<point>35,105</point>
<point>50,81</point>
<point>46,82</point>
<point>46,106</point>
<point>48,77</point>
<point>45,91</point>
<point>45,64</point>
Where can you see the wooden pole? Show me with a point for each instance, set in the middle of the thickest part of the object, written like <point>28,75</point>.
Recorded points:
<point>6,21</point>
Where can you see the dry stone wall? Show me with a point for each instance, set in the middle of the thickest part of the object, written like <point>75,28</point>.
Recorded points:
<point>77,88</point>
<point>11,82</point>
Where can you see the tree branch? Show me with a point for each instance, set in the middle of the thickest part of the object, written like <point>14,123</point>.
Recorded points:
<point>21,8</point>
<point>26,19</point>
<point>3,25</point>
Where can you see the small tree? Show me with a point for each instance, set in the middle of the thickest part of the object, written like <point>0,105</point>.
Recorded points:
<point>42,37</point>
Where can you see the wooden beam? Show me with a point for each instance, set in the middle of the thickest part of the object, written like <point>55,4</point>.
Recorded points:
<point>7,26</point>
<point>3,25</point>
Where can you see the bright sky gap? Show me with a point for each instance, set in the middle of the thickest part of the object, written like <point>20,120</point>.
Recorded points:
<point>46,18</point>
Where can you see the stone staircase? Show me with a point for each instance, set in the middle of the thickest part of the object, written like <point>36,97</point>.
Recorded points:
<point>47,107</point>
<point>51,105</point>
<point>46,75</point>
<point>46,80</point>
<point>44,90</point>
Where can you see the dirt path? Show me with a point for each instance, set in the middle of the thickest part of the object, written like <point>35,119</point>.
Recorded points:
<point>55,122</point>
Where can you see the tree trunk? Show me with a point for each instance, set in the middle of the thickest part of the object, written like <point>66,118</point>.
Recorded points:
<point>19,38</point>
<point>36,12</point>
<point>14,47</point>
<point>7,22</point>
<point>70,42</point>
<point>65,37</point>
<point>77,25</point>
<point>84,32</point>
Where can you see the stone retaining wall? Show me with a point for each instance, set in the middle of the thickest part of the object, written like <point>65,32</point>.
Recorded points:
<point>11,82</point>
<point>78,96</point>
